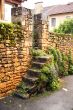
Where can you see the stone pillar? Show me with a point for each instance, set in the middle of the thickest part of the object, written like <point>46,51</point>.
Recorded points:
<point>40,32</point>
<point>45,35</point>
<point>40,28</point>
<point>37,37</point>
<point>23,16</point>
<point>38,7</point>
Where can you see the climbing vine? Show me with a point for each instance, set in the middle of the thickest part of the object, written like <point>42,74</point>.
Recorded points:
<point>10,32</point>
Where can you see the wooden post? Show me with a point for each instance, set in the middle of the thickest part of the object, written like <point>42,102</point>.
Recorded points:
<point>2,9</point>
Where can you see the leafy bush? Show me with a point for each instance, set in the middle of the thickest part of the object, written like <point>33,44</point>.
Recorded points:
<point>38,52</point>
<point>54,53</point>
<point>21,88</point>
<point>66,27</point>
<point>59,61</point>
<point>48,79</point>
<point>70,63</point>
<point>61,64</point>
<point>10,32</point>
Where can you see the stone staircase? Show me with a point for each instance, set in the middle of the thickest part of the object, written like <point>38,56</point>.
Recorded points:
<point>29,80</point>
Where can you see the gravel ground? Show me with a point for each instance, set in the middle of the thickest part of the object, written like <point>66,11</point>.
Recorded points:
<point>60,100</point>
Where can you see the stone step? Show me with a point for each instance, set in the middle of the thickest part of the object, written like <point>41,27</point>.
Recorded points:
<point>26,94</point>
<point>34,72</point>
<point>29,87</point>
<point>29,80</point>
<point>23,96</point>
<point>32,91</point>
<point>43,59</point>
<point>37,65</point>
<point>26,87</point>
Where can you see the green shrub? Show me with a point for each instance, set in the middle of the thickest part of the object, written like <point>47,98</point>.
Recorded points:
<point>70,63</point>
<point>61,64</point>
<point>59,61</point>
<point>38,52</point>
<point>66,27</point>
<point>45,70</point>
<point>10,32</point>
<point>54,53</point>
<point>48,78</point>
<point>54,85</point>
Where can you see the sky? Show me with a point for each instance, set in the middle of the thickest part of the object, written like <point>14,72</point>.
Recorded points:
<point>30,3</point>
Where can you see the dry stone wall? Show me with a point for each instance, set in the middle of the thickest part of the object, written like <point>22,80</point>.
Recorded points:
<point>62,42</point>
<point>15,60</point>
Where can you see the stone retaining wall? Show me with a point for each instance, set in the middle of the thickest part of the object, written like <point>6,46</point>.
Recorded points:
<point>15,60</point>
<point>62,42</point>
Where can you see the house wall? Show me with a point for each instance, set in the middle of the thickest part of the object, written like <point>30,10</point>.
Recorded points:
<point>8,12</point>
<point>59,19</point>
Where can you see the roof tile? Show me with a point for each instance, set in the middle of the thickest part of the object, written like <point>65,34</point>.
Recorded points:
<point>59,9</point>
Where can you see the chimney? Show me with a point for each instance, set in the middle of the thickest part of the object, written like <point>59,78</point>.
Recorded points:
<point>38,8</point>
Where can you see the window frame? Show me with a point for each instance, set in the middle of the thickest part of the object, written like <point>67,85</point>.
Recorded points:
<point>53,22</point>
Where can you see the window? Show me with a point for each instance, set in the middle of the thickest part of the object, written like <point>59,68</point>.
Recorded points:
<point>53,22</point>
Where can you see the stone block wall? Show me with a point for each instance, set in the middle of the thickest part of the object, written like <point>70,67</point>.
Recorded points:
<point>15,60</point>
<point>62,42</point>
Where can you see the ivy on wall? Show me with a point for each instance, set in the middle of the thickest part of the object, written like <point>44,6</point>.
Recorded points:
<point>10,32</point>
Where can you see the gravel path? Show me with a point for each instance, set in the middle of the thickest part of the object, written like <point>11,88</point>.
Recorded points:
<point>60,100</point>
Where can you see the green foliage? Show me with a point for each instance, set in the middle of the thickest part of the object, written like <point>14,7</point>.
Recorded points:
<point>10,32</point>
<point>38,52</point>
<point>70,63</point>
<point>66,27</point>
<point>55,84</point>
<point>61,64</point>
<point>22,85</point>
<point>52,78</point>
<point>59,61</point>
<point>45,70</point>
<point>21,88</point>
<point>48,79</point>
<point>54,53</point>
